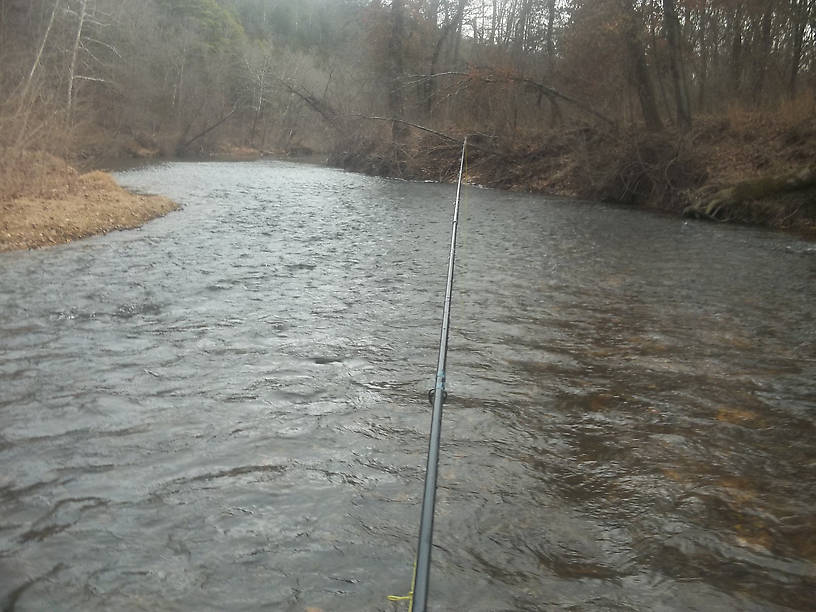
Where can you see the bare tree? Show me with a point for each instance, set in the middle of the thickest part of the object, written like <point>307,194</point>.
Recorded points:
<point>639,68</point>
<point>38,58</point>
<point>449,29</point>
<point>83,11</point>
<point>396,100</point>
<point>681,98</point>
<point>799,18</point>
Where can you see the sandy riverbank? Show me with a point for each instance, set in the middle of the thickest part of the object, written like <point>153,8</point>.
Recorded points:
<point>66,206</point>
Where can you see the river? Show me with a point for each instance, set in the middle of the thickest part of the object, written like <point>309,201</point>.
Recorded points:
<point>226,409</point>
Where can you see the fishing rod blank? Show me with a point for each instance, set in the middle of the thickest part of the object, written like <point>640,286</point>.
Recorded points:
<point>419,600</point>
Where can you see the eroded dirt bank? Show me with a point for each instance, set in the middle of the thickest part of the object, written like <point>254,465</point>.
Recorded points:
<point>744,169</point>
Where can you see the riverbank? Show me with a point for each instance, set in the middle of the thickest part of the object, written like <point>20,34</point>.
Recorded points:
<point>747,168</point>
<point>52,203</point>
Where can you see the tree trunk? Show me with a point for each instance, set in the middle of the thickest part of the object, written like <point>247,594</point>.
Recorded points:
<point>258,107</point>
<point>39,54</point>
<point>178,89</point>
<point>736,51</point>
<point>430,84</point>
<point>185,144</point>
<point>799,22</point>
<point>24,117</point>
<point>494,23</point>
<point>433,12</point>
<point>522,26</point>
<point>457,29</point>
<point>83,7</point>
<point>660,91</point>
<point>396,101</point>
<point>681,100</point>
<point>703,70</point>
<point>660,70</point>
<point>550,41</point>
<point>640,69</point>
<point>761,55</point>
<point>508,25</point>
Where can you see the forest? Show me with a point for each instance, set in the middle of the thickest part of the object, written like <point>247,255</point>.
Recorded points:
<point>692,105</point>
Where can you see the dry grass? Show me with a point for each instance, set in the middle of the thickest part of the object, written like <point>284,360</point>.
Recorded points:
<point>668,170</point>
<point>747,144</point>
<point>34,174</point>
<point>57,205</point>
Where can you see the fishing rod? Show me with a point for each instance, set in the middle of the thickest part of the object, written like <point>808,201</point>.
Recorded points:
<point>437,396</point>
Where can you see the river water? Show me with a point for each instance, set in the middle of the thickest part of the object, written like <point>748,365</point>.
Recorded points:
<point>226,409</point>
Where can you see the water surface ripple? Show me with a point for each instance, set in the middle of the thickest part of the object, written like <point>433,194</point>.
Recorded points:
<point>225,410</point>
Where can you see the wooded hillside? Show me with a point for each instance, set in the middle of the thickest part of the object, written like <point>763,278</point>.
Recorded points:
<point>95,78</point>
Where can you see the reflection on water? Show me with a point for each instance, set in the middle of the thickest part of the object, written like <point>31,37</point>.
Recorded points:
<point>226,409</point>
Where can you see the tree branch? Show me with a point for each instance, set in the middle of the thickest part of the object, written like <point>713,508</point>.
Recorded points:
<point>493,78</point>
<point>90,78</point>
<point>319,106</point>
<point>424,129</point>
<point>106,45</point>
<point>331,116</point>
<point>209,129</point>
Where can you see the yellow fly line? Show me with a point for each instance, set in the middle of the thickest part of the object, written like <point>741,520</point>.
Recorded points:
<point>410,596</point>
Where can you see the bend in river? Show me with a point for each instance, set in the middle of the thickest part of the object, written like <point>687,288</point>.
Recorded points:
<point>226,409</point>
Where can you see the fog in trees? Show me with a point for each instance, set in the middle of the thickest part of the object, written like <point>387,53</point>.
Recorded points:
<point>179,77</point>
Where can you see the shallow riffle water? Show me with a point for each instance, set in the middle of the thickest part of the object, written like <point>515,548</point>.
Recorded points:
<point>226,409</point>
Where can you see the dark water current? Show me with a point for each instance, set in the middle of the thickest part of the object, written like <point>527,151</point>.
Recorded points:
<point>225,410</point>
